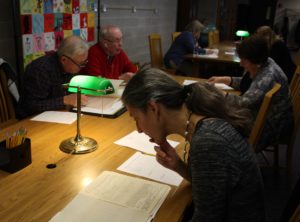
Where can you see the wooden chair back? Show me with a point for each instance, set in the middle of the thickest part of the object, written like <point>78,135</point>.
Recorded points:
<point>216,36</point>
<point>156,54</point>
<point>262,116</point>
<point>213,38</point>
<point>175,35</point>
<point>7,110</point>
<point>297,58</point>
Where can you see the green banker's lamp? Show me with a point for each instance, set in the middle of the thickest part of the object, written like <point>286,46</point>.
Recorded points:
<point>88,85</point>
<point>242,34</point>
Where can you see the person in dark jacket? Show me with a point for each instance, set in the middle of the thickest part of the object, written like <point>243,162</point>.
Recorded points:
<point>185,43</point>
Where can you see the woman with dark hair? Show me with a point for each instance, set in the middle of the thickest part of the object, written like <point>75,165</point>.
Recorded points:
<point>225,178</point>
<point>264,72</point>
<point>278,50</point>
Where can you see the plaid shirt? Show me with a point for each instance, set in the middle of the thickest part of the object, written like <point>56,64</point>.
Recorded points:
<point>42,81</point>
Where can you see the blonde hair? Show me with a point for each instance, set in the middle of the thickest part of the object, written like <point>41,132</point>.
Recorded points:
<point>268,34</point>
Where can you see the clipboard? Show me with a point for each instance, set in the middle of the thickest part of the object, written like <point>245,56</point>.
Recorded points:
<point>106,106</point>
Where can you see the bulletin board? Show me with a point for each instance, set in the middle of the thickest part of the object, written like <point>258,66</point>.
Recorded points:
<point>45,23</point>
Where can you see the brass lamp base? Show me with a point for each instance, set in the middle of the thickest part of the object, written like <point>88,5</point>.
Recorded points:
<point>85,145</point>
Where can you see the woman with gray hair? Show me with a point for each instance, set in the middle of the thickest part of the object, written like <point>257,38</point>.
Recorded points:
<point>185,43</point>
<point>220,164</point>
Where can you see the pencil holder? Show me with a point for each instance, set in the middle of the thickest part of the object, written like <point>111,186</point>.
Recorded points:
<point>15,158</point>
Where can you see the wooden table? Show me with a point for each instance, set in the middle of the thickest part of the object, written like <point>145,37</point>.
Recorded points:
<point>226,57</point>
<point>37,193</point>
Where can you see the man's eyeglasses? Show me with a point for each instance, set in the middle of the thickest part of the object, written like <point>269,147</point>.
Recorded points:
<point>82,65</point>
<point>115,40</point>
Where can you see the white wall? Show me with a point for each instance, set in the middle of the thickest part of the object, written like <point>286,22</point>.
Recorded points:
<point>137,26</point>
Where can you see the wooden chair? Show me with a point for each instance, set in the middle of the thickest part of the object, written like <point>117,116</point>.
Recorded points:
<point>297,58</point>
<point>289,142</point>
<point>175,35</point>
<point>262,116</point>
<point>7,110</point>
<point>156,53</point>
<point>216,34</point>
<point>213,38</point>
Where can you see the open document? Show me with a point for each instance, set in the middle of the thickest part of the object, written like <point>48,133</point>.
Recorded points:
<point>217,85</point>
<point>114,197</point>
<point>108,105</point>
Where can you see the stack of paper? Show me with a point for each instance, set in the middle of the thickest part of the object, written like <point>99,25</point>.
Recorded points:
<point>114,197</point>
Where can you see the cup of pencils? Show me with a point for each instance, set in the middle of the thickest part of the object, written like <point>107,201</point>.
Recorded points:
<point>15,151</point>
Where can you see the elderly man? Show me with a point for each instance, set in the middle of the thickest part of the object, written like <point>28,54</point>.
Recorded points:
<point>43,78</point>
<point>107,59</point>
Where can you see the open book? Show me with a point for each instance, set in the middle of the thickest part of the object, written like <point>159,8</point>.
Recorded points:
<point>108,105</point>
<point>114,197</point>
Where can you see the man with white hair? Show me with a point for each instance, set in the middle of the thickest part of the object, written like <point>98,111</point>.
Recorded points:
<point>43,78</point>
<point>107,59</point>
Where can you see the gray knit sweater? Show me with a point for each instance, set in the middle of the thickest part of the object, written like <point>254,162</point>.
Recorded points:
<point>226,181</point>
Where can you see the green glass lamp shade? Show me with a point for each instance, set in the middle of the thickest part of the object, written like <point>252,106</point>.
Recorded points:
<point>91,85</point>
<point>242,33</point>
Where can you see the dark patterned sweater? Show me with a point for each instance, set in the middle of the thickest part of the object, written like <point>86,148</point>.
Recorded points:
<point>226,181</point>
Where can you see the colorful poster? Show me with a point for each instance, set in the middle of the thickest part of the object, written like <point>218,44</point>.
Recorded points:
<point>91,20</point>
<point>67,21</point>
<point>83,5</point>
<point>37,23</point>
<point>83,20</point>
<point>76,32</point>
<point>26,24</point>
<point>27,59</point>
<point>49,41</point>
<point>91,5</point>
<point>48,6</point>
<point>48,22</point>
<point>59,36</point>
<point>68,6</point>
<point>37,6</point>
<point>58,22</point>
<point>37,55</point>
<point>83,33</point>
<point>91,34</point>
<point>67,33</point>
<point>27,45</point>
<point>38,43</point>
<point>75,6</point>
<point>25,7</point>
<point>76,21</point>
<point>58,6</point>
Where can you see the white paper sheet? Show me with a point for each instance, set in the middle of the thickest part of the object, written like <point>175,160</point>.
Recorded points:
<point>56,117</point>
<point>147,166</point>
<point>218,85</point>
<point>223,86</point>
<point>140,142</point>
